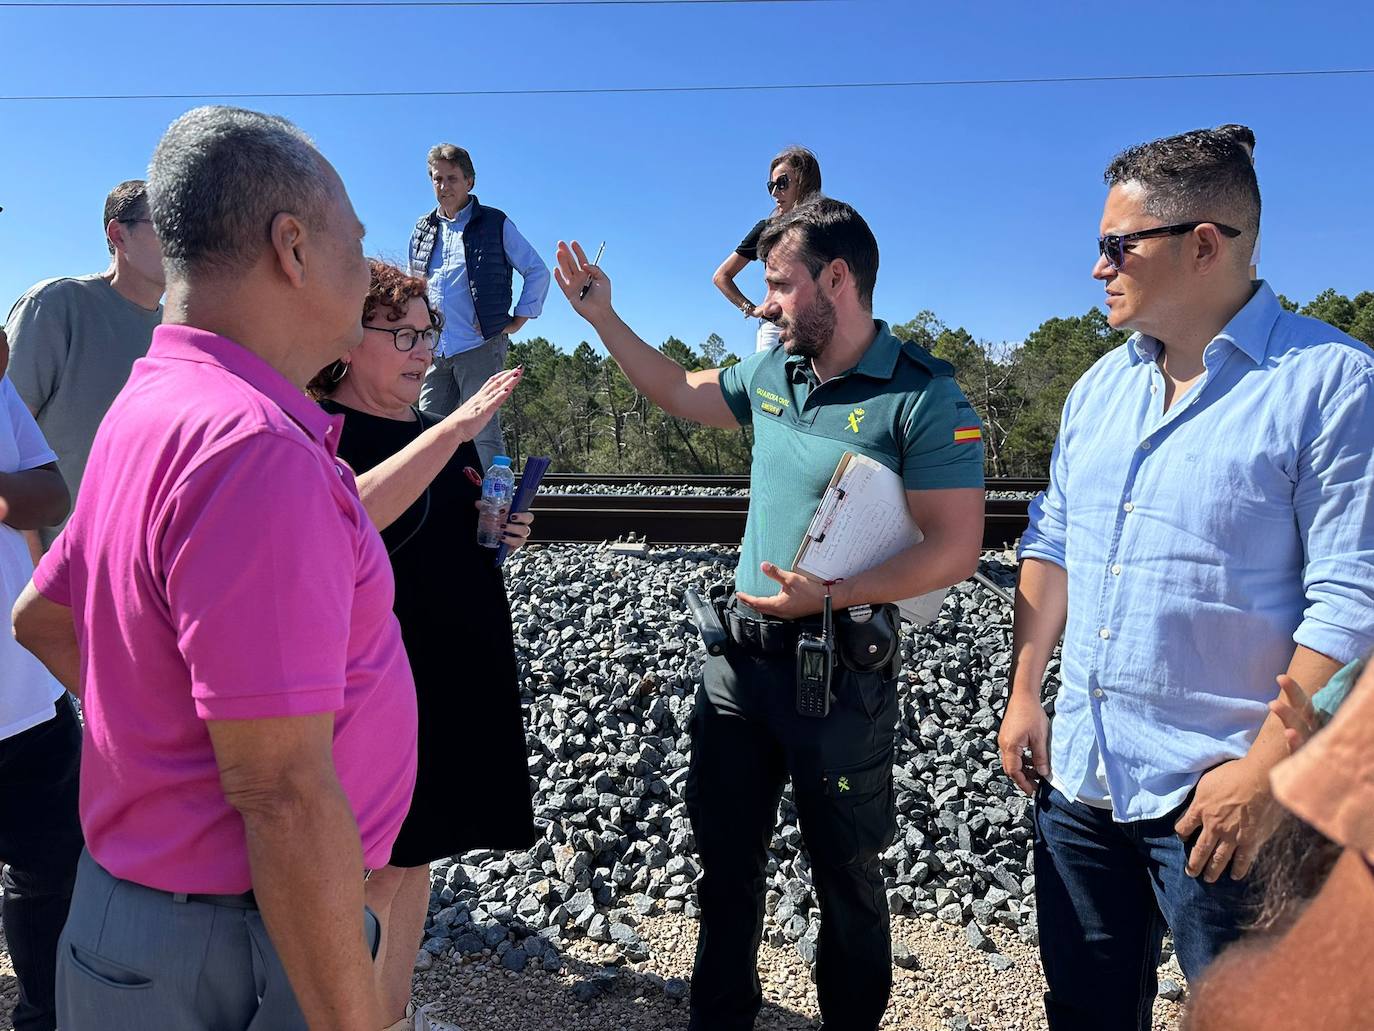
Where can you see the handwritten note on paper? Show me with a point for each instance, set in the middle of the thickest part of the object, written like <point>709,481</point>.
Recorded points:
<point>867,527</point>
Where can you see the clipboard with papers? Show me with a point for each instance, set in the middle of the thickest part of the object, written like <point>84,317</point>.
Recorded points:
<point>862,521</point>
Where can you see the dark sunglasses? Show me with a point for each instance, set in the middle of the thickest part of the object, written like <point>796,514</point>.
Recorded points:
<point>406,338</point>
<point>1113,248</point>
<point>782,182</point>
<point>135,221</point>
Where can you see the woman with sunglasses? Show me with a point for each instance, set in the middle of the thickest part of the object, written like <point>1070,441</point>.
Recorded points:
<point>793,176</point>
<point>419,480</point>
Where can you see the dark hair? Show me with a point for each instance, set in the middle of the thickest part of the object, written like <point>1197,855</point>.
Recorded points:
<point>806,167</point>
<point>128,200</point>
<point>390,291</point>
<point>823,229</point>
<point>1204,174</point>
<point>454,155</point>
<point>1292,868</point>
<point>1242,134</point>
<point>218,178</point>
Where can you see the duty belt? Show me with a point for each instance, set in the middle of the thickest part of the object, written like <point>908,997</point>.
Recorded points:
<point>763,634</point>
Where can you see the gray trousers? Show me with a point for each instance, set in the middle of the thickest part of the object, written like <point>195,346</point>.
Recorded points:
<point>451,381</point>
<point>133,958</point>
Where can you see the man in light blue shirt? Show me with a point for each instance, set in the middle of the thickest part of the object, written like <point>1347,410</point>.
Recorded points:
<point>469,252</point>
<point>1209,525</point>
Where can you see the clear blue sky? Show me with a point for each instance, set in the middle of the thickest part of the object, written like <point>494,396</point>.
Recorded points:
<point>985,200</point>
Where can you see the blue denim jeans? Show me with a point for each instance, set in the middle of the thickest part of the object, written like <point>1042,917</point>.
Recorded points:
<point>1104,893</point>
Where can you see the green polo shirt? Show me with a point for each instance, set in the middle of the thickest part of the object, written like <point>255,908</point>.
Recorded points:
<point>899,406</point>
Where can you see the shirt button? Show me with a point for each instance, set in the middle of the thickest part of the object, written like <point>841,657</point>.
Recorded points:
<point>1116,569</point>
<point>1154,389</point>
<point>1098,692</point>
<point>1104,633</point>
<point>1128,507</point>
<point>1144,445</point>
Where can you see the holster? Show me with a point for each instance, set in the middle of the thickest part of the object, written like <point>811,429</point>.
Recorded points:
<point>869,638</point>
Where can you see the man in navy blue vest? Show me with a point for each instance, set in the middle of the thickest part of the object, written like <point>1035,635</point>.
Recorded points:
<point>468,251</point>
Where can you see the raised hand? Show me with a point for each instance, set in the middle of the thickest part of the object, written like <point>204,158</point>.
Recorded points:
<point>472,416</point>
<point>572,272</point>
<point>1294,708</point>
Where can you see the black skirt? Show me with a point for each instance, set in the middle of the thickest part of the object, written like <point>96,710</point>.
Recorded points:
<point>472,786</point>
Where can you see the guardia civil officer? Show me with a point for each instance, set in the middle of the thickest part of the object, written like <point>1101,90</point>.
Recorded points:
<point>840,382</point>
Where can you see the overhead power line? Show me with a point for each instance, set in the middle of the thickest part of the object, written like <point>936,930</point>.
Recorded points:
<point>631,90</point>
<point>218,4</point>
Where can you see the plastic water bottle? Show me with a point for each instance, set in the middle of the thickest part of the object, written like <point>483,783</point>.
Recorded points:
<point>498,487</point>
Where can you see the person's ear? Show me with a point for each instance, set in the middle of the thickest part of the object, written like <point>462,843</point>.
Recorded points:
<point>115,232</point>
<point>289,243</point>
<point>1206,242</point>
<point>836,275</point>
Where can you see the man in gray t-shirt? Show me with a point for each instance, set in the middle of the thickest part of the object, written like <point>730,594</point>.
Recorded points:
<point>74,340</point>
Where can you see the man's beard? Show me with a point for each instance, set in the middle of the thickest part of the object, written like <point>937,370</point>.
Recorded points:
<point>809,332</point>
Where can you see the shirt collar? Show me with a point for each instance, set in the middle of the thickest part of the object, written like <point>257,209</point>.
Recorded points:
<point>878,362</point>
<point>186,343</point>
<point>463,214</point>
<point>1248,331</point>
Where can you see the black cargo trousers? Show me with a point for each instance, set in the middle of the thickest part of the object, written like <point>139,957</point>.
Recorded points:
<point>747,739</point>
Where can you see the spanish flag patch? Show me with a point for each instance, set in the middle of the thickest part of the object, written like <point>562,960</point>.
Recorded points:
<point>967,434</point>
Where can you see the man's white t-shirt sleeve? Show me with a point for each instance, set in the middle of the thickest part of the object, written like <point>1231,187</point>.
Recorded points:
<point>27,690</point>
<point>30,449</point>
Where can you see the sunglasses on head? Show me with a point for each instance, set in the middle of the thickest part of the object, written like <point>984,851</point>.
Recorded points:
<point>1113,247</point>
<point>782,182</point>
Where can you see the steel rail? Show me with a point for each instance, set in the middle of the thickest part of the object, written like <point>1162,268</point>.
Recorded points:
<point>554,481</point>
<point>699,519</point>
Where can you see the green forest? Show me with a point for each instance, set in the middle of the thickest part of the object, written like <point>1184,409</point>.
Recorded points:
<point>580,410</point>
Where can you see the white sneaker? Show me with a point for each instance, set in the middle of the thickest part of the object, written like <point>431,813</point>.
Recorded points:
<point>425,1022</point>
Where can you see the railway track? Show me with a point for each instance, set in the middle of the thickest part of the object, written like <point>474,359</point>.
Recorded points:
<point>554,482</point>
<point>705,519</point>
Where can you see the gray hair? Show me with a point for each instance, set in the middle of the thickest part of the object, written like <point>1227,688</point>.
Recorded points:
<point>1206,174</point>
<point>219,176</point>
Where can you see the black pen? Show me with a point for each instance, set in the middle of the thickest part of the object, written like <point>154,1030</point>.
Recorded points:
<point>595,261</point>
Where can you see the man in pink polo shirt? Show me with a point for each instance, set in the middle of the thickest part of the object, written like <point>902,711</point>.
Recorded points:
<point>222,604</point>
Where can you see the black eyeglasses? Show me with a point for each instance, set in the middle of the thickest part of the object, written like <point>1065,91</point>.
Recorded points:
<point>1113,247</point>
<point>406,338</point>
<point>782,182</point>
<point>135,221</point>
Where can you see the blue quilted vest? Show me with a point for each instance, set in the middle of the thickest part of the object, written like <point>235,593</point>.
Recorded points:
<point>484,251</point>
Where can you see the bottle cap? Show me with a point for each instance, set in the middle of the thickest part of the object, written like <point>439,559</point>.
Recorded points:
<point>501,460</point>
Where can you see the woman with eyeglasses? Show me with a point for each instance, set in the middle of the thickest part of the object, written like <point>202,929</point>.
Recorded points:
<point>793,176</point>
<point>420,481</point>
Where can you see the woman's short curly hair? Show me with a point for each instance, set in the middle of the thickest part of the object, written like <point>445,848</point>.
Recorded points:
<point>390,294</point>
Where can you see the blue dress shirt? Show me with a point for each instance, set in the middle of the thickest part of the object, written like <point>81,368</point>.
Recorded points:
<point>1201,545</point>
<point>448,282</point>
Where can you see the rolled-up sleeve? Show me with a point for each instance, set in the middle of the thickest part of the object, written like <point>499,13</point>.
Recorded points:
<point>1334,504</point>
<point>259,572</point>
<point>534,274</point>
<point>1047,535</point>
